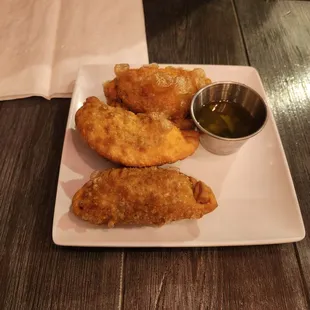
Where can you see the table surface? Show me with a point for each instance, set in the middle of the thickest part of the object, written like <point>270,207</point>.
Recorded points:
<point>272,36</point>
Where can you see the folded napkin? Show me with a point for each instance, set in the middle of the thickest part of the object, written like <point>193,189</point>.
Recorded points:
<point>43,43</point>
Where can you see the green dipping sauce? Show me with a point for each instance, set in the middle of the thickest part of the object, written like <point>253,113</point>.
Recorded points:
<point>228,120</point>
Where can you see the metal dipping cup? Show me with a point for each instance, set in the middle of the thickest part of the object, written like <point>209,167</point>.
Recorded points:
<point>232,93</point>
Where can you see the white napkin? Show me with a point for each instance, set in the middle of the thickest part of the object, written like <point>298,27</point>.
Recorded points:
<point>43,43</point>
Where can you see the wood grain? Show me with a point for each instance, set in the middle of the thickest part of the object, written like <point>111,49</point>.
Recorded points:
<point>35,274</point>
<point>277,38</point>
<point>193,31</point>
<point>266,277</point>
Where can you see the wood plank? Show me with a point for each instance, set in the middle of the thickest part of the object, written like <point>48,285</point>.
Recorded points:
<point>277,37</point>
<point>34,273</point>
<point>265,277</point>
<point>193,32</point>
<point>258,278</point>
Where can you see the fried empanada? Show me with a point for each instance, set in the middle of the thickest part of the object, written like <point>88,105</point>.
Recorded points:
<point>133,140</point>
<point>153,89</point>
<point>142,196</point>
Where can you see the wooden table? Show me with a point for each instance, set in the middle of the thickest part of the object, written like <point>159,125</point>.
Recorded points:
<point>274,37</point>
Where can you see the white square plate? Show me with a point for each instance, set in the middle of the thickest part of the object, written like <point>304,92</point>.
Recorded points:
<point>254,189</point>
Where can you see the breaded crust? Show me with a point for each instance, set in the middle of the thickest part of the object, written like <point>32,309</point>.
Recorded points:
<point>153,89</point>
<point>142,196</point>
<point>133,140</point>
